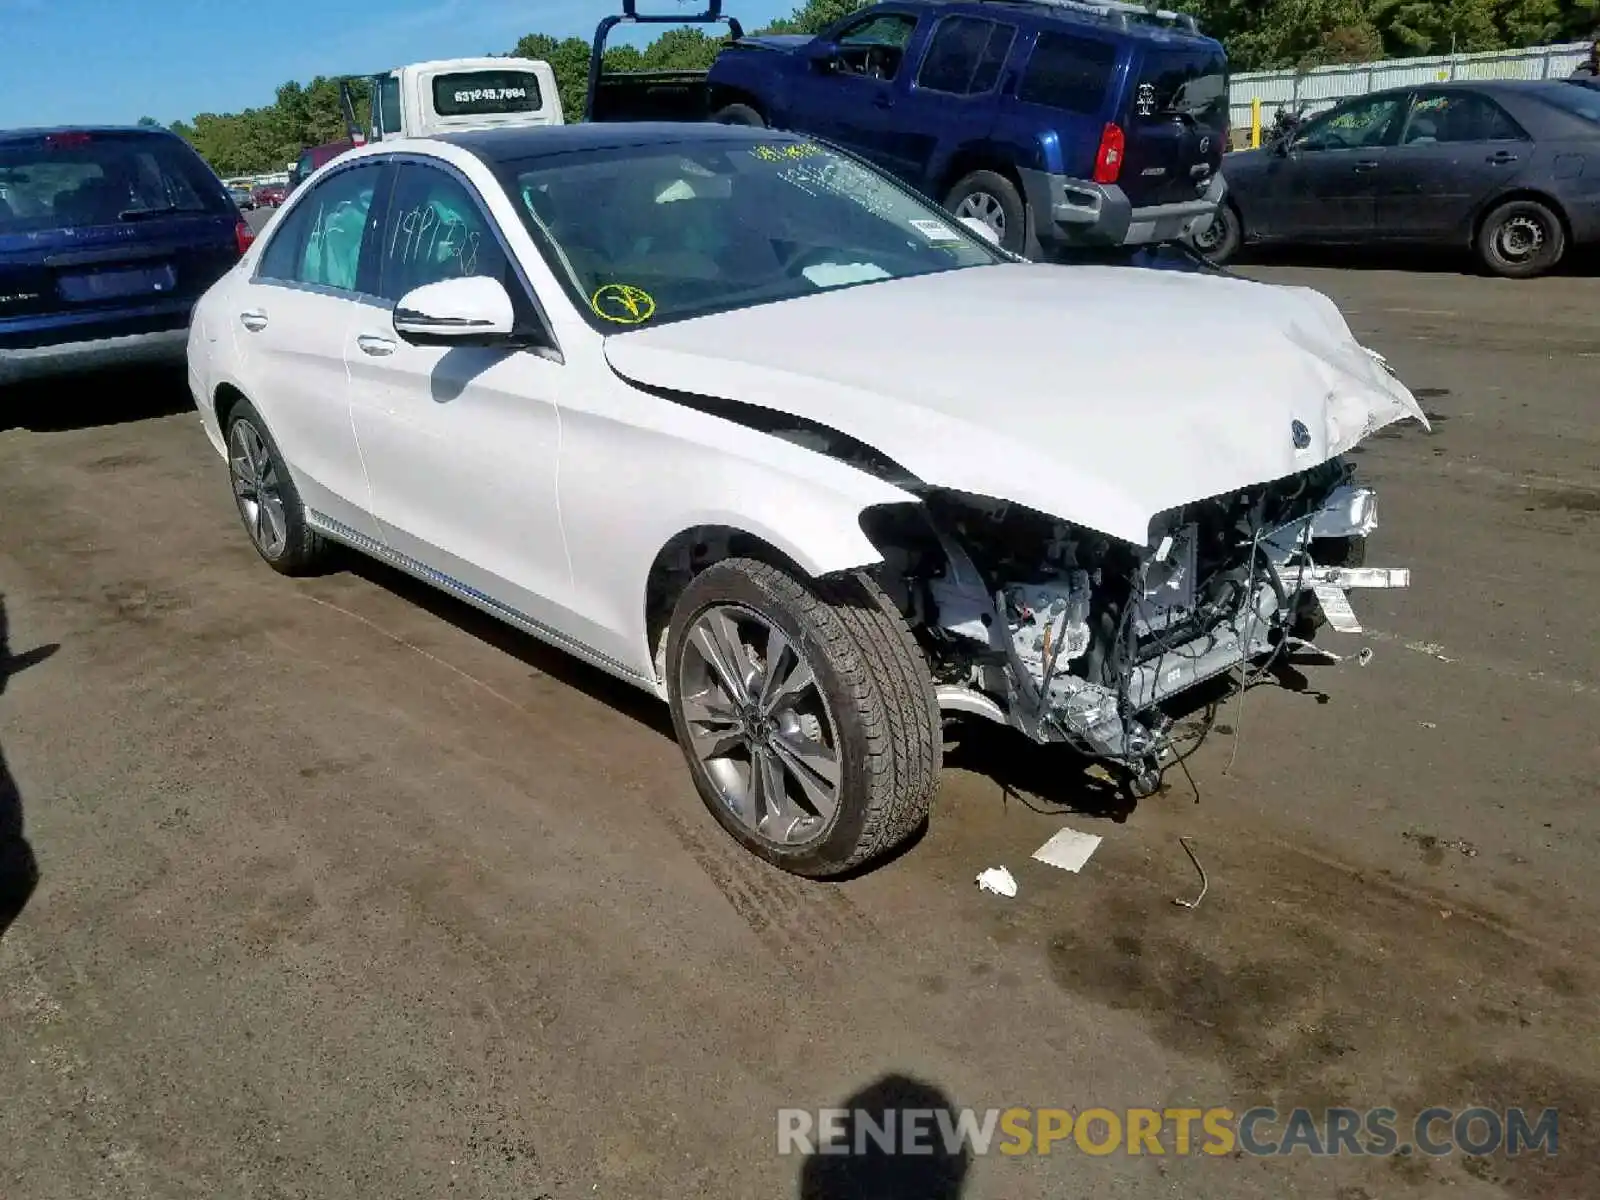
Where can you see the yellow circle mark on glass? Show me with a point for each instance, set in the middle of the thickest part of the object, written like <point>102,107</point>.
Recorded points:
<point>623,304</point>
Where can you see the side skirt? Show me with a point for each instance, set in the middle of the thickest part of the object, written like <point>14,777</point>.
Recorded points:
<point>356,540</point>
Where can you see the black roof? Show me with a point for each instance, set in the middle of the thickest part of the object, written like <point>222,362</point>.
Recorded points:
<point>538,141</point>
<point>32,132</point>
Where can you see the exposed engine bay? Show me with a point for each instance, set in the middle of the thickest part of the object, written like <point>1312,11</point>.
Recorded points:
<point>1072,636</point>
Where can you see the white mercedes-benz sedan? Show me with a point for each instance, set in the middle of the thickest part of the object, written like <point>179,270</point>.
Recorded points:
<point>733,416</point>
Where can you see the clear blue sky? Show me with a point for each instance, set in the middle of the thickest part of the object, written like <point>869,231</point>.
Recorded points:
<point>85,61</point>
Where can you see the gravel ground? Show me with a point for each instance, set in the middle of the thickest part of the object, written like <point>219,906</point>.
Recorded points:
<point>344,891</point>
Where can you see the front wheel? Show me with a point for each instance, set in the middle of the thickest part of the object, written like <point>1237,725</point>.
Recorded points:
<point>994,200</point>
<point>1219,242</point>
<point>805,713</point>
<point>1521,239</point>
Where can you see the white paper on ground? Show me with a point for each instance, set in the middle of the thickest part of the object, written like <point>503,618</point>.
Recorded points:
<point>1068,849</point>
<point>998,880</point>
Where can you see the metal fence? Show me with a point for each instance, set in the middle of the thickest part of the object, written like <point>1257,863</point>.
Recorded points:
<point>1325,86</point>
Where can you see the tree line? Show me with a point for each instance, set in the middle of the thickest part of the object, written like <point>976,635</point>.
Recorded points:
<point>1259,35</point>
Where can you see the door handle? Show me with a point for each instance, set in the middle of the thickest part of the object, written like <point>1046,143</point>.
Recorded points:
<point>255,320</point>
<point>1501,157</point>
<point>1367,165</point>
<point>374,345</point>
<point>883,100</point>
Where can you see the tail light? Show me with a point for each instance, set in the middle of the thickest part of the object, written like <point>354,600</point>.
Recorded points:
<point>243,235</point>
<point>62,141</point>
<point>1108,159</point>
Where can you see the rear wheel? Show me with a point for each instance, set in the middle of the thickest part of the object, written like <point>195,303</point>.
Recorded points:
<point>739,114</point>
<point>805,713</point>
<point>1521,239</point>
<point>994,200</point>
<point>269,504</point>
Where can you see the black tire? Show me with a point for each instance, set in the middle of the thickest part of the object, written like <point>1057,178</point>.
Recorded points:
<point>739,114</point>
<point>1521,239</point>
<point>1221,242</point>
<point>882,713</point>
<point>988,195</point>
<point>300,551</point>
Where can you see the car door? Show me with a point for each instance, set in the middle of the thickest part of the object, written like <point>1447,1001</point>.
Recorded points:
<point>290,328</point>
<point>1456,149</point>
<point>1323,186</point>
<point>851,101</point>
<point>952,98</point>
<point>460,442</point>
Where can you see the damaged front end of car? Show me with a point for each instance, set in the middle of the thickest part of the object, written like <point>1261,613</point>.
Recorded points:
<point>1075,637</point>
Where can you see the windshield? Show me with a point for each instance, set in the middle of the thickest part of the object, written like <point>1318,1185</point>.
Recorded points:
<point>1575,98</point>
<point>648,235</point>
<point>76,180</point>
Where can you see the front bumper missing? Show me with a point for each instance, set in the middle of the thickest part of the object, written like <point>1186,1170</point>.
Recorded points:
<point>1109,724</point>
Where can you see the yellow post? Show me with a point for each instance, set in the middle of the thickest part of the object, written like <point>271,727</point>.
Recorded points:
<point>1255,123</point>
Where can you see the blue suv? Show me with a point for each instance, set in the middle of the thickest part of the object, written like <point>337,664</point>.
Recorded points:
<point>1059,124</point>
<point>107,239</point>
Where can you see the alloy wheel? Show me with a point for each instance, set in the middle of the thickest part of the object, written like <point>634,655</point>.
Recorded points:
<point>759,725</point>
<point>986,208</point>
<point>256,489</point>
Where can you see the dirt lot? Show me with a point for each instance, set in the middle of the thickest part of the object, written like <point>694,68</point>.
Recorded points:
<point>345,892</point>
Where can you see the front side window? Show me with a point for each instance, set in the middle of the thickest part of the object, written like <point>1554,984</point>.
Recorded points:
<point>1458,117</point>
<point>389,121</point>
<point>321,242</point>
<point>1362,125</point>
<point>646,236</point>
<point>877,46</point>
<point>1069,72</point>
<point>965,56</point>
<point>435,230</point>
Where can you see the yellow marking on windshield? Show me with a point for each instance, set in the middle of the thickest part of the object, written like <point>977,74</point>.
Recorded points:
<point>623,304</point>
<point>788,151</point>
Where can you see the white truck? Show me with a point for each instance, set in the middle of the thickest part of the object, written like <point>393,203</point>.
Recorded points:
<point>444,96</point>
<point>449,95</point>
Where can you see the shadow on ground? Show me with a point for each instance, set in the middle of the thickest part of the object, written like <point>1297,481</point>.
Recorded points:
<point>873,1158</point>
<point>558,665</point>
<point>101,398</point>
<point>19,871</point>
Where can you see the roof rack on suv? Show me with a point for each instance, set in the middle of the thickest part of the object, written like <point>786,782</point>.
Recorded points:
<point>1120,12</point>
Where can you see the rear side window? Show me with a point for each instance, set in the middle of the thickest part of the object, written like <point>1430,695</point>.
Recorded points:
<point>321,242</point>
<point>486,93</point>
<point>1184,83</point>
<point>78,180</point>
<point>965,56</point>
<point>1070,72</point>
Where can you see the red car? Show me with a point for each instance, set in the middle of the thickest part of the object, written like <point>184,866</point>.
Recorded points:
<point>315,157</point>
<point>269,195</point>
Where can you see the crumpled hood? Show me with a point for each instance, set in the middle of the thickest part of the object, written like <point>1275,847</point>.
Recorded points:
<point>1099,395</point>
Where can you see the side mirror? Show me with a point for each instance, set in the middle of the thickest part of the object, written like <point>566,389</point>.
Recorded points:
<point>471,311</point>
<point>982,228</point>
<point>821,53</point>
